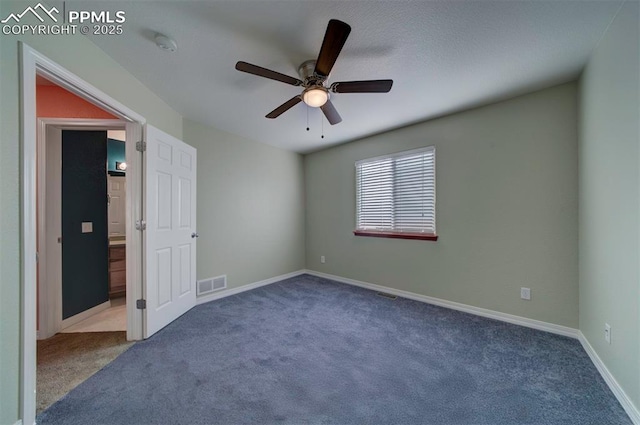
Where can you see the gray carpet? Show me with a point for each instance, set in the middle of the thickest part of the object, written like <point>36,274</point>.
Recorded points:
<point>310,351</point>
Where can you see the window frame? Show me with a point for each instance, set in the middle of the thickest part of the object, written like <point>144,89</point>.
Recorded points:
<point>396,234</point>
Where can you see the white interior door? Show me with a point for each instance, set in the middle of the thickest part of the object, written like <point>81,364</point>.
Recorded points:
<point>170,236</point>
<point>117,192</point>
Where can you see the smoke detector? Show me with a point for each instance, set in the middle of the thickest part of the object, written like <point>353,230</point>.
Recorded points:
<point>165,43</point>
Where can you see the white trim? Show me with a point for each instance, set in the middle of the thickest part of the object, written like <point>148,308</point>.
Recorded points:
<point>76,85</point>
<point>70,321</point>
<point>614,386</point>
<point>19,422</point>
<point>247,287</point>
<point>28,235</point>
<point>84,123</point>
<point>32,62</point>
<point>492,314</point>
<point>133,195</point>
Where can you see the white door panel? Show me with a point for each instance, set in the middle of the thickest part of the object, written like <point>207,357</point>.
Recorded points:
<point>170,209</point>
<point>117,208</point>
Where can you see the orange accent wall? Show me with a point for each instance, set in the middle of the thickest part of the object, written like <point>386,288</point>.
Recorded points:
<point>56,102</point>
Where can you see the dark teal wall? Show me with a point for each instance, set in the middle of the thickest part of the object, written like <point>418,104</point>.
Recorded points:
<point>115,153</point>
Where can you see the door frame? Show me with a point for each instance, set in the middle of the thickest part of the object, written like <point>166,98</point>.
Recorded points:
<point>50,290</point>
<point>31,63</point>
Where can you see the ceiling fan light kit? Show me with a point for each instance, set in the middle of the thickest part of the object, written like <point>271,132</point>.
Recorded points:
<point>314,75</point>
<point>315,96</point>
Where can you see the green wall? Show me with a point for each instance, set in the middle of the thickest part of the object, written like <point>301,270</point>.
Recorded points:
<point>82,57</point>
<point>250,207</point>
<point>115,153</point>
<point>506,209</point>
<point>610,200</point>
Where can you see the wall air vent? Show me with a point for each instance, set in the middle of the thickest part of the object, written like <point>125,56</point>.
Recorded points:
<point>207,286</point>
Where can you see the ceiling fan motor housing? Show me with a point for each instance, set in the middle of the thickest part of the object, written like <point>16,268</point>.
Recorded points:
<point>306,70</point>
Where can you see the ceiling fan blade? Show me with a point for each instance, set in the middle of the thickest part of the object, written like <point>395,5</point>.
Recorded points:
<point>267,73</point>
<point>330,112</point>
<point>284,107</point>
<point>334,39</point>
<point>370,86</point>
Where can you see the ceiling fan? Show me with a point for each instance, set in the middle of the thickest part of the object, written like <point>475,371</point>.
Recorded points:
<point>314,75</point>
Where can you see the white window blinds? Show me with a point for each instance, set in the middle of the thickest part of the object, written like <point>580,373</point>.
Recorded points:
<point>397,193</point>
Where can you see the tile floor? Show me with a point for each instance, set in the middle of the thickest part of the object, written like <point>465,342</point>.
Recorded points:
<point>112,319</point>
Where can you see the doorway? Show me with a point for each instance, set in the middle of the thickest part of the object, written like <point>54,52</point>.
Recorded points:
<point>92,299</point>
<point>33,64</point>
<point>160,218</point>
<point>81,247</point>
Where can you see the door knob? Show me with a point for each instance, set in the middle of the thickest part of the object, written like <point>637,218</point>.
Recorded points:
<point>194,235</point>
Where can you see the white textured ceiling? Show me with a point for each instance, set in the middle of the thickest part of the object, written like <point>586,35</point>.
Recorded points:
<point>443,56</point>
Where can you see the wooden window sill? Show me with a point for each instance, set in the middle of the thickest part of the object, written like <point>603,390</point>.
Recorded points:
<point>397,235</point>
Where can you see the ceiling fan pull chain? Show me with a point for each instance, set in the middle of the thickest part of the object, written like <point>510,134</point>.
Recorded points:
<point>322,126</point>
<point>307,117</point>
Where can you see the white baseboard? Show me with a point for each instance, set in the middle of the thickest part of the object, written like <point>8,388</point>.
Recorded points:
<point>617,390</point>
<point>248,287</point>
<point>85,314</point>
<point>509,318</point>
<point>19,422</point>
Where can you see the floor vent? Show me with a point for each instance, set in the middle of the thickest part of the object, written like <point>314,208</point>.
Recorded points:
<point>385,295</point>
<point>206,286</point>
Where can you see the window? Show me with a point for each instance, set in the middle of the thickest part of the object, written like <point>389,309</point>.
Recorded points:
<point>396,195</point>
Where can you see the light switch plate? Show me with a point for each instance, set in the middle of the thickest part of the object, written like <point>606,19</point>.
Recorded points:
<point>87,227</point>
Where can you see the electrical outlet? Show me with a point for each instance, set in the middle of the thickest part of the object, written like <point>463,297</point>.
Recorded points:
<point>525,293</point>
<point>607,333</point>
<point>322,259</point>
